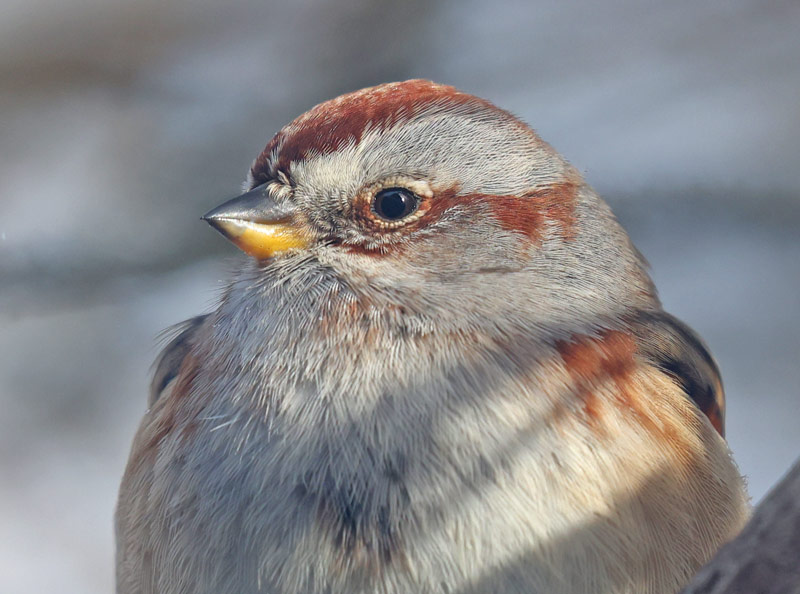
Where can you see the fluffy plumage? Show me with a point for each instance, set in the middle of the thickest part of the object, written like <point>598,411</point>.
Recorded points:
<point>483,397</point>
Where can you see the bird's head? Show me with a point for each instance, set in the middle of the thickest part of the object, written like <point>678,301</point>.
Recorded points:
<point>423,199</point>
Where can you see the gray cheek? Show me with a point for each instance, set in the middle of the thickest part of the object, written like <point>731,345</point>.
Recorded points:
<point>472,245</point>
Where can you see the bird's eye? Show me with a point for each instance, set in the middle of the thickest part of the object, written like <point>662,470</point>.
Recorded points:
<point>393,204</point>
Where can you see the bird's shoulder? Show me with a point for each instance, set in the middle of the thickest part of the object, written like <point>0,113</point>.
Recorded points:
<point>676,350</point>
<point>170,360</point>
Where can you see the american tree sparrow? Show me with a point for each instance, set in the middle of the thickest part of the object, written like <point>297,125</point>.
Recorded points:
<point>445,370</point>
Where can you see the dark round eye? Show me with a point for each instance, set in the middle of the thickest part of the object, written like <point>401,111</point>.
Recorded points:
<point>393,204</point>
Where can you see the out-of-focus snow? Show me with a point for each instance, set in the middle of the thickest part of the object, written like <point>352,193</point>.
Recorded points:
<point>123,121</point>
<point>72,392</point>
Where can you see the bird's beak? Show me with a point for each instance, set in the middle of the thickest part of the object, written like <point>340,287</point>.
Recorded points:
<point>258,225</point>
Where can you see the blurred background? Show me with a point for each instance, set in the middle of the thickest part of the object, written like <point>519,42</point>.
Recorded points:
<point>122,121</point>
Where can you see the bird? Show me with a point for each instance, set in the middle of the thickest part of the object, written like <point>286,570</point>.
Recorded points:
<point>441,367</point>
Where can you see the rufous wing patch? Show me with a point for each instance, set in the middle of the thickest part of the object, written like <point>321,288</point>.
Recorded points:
<point>593,361</point>
<point>612,357</point>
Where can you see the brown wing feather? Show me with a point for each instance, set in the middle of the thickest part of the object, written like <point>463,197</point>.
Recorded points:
<point>171,358</point>
<point>678,351</point>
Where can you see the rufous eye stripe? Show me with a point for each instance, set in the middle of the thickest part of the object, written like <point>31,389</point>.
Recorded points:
<point>527,214</point>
